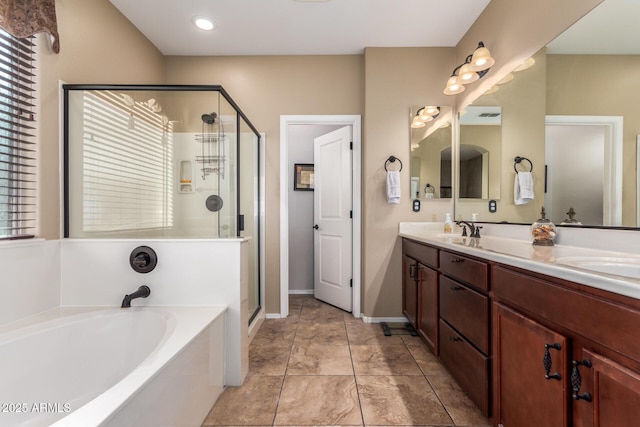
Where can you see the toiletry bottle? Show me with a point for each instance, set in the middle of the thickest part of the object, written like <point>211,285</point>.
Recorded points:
<point>474,217</point>
<point>447,223</point>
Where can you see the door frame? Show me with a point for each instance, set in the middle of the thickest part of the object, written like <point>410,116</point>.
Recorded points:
<point>612,159</point>
<point>285,181</point>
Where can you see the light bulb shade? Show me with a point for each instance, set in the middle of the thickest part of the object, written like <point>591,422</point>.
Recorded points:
<point>492,89</point>
<point>431,110</point>
<point>416,124</point>
<point>453,87</point>
<point>466,75</point>
<point>526,64</point>
<point>426,117</point>
<point>481,59</point>
<point>506,79</point>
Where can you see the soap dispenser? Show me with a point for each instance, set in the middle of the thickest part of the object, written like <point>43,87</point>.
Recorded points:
<point>543,231</point>
<point>447,223</point>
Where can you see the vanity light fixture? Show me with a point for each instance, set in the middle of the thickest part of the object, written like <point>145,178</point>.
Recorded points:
<point>203,23</point>
<point>475,66</point>
<point>424,115</point>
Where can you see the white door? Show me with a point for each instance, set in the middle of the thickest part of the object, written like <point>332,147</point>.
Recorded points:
<point>332,218</point>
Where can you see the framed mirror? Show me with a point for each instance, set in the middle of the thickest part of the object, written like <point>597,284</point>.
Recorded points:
<point>431,142</point>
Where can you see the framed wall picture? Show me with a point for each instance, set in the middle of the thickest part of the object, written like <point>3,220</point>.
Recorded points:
<point>303,177</point>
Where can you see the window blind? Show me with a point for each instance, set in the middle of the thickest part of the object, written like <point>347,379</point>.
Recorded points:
<point>127,165</point>
<point>18,167</point>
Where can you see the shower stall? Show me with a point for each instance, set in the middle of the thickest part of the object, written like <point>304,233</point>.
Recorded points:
<point>158,162</point>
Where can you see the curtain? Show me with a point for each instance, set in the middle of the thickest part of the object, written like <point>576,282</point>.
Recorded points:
<point>24,18</point>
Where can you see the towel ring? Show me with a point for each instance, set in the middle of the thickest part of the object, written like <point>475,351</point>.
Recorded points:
<point>392,159</point>
<point>518,159</point>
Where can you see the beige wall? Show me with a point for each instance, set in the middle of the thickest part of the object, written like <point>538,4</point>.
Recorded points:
<point>395,79</point>
<point>97,45</point>
<point>266,87</point>
<point>100,46</point>
<point>602,87</point>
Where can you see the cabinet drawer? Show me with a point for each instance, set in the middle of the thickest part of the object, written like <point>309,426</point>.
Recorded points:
<point>464,269</point>
<point>467,366</point>
<point>425,254</point>
<point>467,311</point>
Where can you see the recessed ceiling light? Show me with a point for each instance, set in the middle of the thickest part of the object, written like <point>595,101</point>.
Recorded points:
<point>203,23</point>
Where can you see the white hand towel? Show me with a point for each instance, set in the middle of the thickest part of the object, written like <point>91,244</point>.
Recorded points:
<point>393,187</point>
<point>523,188</point>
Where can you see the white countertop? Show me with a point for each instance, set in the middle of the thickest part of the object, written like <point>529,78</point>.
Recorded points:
<point>518,252</point>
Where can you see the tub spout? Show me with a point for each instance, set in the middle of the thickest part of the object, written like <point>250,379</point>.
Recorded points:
<point>142,292</point>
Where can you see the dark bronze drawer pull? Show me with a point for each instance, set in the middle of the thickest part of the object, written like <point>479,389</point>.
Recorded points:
<point>457,288</point>
<point>576,381</point>
<point>454,339</point>
<point>457,260</point>
<point>546,362</point>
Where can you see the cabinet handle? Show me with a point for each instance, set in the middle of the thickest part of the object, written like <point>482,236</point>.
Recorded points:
<point>457,260</point>
<point>454,339</point>
<point>412,271</point>
<point>546,362</point>
<point>576,381</point>
<point>457,288</point>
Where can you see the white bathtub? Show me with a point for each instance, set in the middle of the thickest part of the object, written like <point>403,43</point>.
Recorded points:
<point>80,366</point>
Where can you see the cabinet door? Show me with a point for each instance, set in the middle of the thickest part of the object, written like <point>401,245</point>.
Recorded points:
<point>608,393</point>
<point>409,290</point>
<point>530,372</point>
<point>428,309</point>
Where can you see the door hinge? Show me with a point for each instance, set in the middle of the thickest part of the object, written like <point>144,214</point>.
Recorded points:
<point>351,214</point>
<point>351,145</point>
<point>351,283</point>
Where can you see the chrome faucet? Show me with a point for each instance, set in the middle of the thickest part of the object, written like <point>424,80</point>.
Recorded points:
<point>142,292</point>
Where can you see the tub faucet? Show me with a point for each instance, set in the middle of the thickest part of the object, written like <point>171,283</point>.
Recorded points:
<point>142,292</point>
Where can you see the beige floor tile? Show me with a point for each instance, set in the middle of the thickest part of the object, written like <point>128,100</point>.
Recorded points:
<point>276,332</point>
<point>348,317</point>
<point>321,313</point>
<point>428,363</point>
<point>254,403</point>
<point>370,334</point>
<point>326,333</point>
<point>318,359</point>
<point>400,400</point>
<point>318,400</point>
<point>268,360</point>
<point>463,411</point>
<point>383,360</point>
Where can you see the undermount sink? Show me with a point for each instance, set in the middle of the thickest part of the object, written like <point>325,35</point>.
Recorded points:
<point>620,266</point>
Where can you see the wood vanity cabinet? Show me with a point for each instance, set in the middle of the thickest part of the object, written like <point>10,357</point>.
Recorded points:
<point>563,355</point>
<point>420,290</point>
<point>464,324</point>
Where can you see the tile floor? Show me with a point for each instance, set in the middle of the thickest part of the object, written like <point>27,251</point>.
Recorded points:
<point>322,367</point>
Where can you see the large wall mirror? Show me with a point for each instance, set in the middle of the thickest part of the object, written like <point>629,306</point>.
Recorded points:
<point>575,116</point>
<point>431,140</point>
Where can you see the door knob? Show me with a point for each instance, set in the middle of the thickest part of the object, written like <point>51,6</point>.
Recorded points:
<point>316,226</point>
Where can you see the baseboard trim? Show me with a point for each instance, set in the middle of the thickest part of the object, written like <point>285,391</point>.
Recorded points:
<point>367,319</point>
<point>273,316</point>
<point>301,291</point>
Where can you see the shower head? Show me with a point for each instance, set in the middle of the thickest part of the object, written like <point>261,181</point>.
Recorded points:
<point>209,118</point>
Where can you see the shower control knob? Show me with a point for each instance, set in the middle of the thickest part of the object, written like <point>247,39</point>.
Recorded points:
<point>316,227</point>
